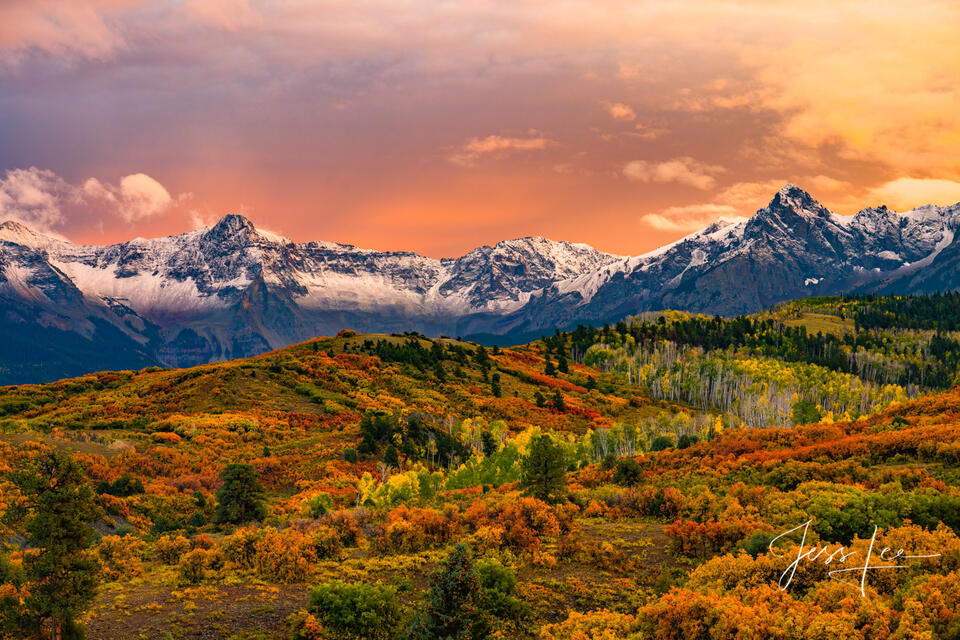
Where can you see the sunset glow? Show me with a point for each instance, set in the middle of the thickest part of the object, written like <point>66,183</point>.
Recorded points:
<point>437,127</point>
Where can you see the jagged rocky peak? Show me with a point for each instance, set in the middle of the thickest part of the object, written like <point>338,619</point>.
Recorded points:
<point>791,209</point>
<point>231,225</point>
<point>794,199</point>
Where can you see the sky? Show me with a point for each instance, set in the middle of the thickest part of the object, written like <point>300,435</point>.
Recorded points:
<point>437,126</point>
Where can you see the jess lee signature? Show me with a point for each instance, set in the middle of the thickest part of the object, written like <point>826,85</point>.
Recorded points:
<point>840,555</point>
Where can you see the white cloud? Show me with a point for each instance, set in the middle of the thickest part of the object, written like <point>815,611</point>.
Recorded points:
<point>43,201</point>
<point>34,197</point>
<point>141,197</point>
<point>684,170</point>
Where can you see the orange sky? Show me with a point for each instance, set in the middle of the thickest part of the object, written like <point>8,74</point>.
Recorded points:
<point>437,127</point>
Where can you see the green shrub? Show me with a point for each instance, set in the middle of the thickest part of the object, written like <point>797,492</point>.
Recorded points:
<point>356,611</point>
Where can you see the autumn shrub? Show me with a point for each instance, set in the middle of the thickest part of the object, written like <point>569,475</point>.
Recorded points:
<point>165,437</point>
<point>595,625</point>
<point>327,543</point>
<point>347,524</point>
<point>240,548</point>
<point>120,556</point>
<point>523,525</point>
<point>168,549</point>
<point>284,556</point>
<point>409,529</point>
<point>659,502</point>
<point>203,541</point>
<point>701,540</point>
<point>303,625</point>
<point>193,567</point>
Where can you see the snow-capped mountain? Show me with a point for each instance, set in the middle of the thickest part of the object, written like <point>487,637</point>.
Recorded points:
<point>792,248</point>
<point>232,290</point>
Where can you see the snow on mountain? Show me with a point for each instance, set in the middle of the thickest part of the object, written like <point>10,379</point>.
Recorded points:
<point>232,289</point>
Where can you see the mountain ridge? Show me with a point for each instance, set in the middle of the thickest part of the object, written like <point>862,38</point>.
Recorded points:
<point>232,290</point>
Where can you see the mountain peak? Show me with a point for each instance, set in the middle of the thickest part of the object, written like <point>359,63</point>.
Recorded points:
<point>233,223</point>
<point>18,233</point>
<point>793,197</point>
<point>13,225</point>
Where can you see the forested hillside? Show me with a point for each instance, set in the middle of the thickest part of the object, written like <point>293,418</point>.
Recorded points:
<point>839,357</point>
<point>603,483</point>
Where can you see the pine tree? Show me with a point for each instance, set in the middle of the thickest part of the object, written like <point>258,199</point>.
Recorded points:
<point>548,368</point>
<point>240,497</point>
<point>391,456</point>
<point>562,366</point>
<point>453,610</point>
<point>558,402</point>
<point>489,443</point>
<point>55,507</point>
<point>543,472</point>
<point>540,399</point>
<point>495,386</point>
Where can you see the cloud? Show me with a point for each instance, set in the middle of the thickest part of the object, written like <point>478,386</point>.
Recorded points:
<point>225,14</point>
<point>690,218</point>
<point>906,193</point>
<point>43,201</point>
<point>475,148</point>
<point>684,170</point>
<point>59,28</point>
<point>141,197</point>
<point>34,197</point>
<point>620,111</point>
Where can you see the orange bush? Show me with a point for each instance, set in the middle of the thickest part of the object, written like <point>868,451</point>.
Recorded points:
<point>700,540</point>
<point>414,529</point>
<point>168,549</point>
<point>523,524</point>
<point>120,556</point>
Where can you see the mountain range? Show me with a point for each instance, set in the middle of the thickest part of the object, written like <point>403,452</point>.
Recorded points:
<point>232,290</point>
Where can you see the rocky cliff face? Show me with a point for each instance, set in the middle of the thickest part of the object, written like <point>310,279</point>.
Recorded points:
<point>232,290</point>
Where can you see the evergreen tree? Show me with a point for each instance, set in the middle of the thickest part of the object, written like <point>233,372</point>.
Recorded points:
<point>55,508</point>
<point>495,386</point>
<point>548,367</point>
<point>540,399</point>
<point>562,366</point>
<point>240,497</point>
<point>453,609</point>
<point>543,471</point>
<point>558,402</point>
<point>489,443</point>
<point>391,456</point>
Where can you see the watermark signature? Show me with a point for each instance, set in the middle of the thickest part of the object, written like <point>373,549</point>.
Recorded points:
<point>871,561</point>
